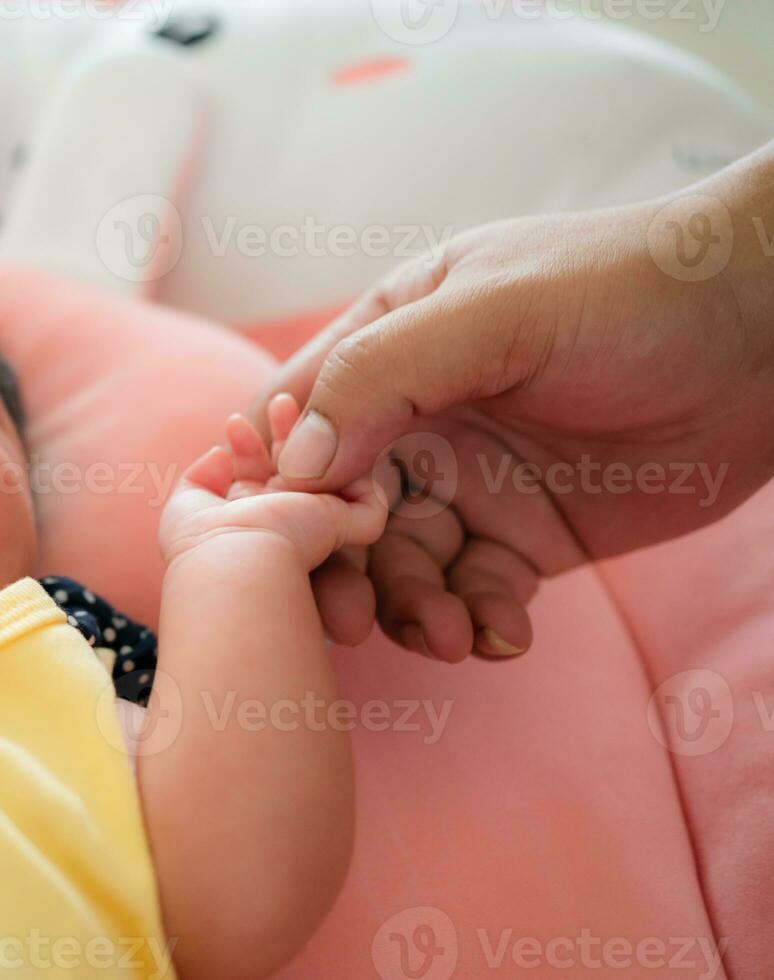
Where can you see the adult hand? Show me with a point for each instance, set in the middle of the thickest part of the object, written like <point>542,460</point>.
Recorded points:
<point>626,355</point>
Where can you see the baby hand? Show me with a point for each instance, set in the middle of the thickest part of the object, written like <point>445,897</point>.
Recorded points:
<point>237,491</point>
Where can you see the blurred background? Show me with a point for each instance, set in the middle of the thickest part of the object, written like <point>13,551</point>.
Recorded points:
<point>742,44</point>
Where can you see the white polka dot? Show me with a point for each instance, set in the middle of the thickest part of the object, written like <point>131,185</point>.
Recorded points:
<point>60,595</point>
<point>127,666</point>
<point>72,621</point>
<point>49,580</point>
<point>88,596</point>
<point>109,633</point>
<point>125,650</point>
<point>119,622</point>
<point>144,678</point>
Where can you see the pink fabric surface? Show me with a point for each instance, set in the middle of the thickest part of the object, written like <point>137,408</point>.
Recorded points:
<point>546,810</point>
<point>135,390</point>
<point>702,611</point>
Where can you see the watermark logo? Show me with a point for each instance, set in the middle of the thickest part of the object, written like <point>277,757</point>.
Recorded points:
<point>691,239</point>
<point>415,22</point>
<point>416,944</point>
<point>140,239</point>
<point>692,712</point>
<point>416,475</point>
<point>148,733</point>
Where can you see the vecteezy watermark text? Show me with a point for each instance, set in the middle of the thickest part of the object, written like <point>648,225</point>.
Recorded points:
<point>418,22</point>
<point>141,238</point>
<point>424,942</point>
<point>406,715</point>
<point>423,719</point>
<point>426,468</point>
<point>706,13</point>
<point>149,12</point>
<point>695,953</point>
<point>36,951</point>
<point>316,240</point>
<point>590,477</point>
<point>66,478</point>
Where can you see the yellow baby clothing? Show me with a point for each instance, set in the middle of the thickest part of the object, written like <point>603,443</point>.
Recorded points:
<point>77,889</point>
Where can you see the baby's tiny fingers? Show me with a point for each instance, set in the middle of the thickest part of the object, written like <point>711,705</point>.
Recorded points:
<point>365,513</point>
<point>283,414</point>
<point>251,457</point>
<point>214,471</point>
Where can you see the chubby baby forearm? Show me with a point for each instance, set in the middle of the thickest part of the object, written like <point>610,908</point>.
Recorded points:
<point>249,809</point>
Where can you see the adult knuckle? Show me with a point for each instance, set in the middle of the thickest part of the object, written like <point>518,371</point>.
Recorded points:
<point>348,366</point>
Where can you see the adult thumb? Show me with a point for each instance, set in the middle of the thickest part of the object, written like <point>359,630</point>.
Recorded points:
<point>417,360</point>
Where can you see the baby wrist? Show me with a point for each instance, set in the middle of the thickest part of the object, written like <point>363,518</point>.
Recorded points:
<point>236,549</point>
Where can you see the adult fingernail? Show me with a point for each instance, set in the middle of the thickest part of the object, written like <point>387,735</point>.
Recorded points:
<point>412,636</point>
<point>500,646</point>
<point>309,450</point>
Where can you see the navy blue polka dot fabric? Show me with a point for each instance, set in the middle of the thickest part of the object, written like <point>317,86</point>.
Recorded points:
<point>133,646</point>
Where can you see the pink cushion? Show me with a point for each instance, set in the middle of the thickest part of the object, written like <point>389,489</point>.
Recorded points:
<point>129,394</point>
<point>546,806</point>
<point>701,610</point>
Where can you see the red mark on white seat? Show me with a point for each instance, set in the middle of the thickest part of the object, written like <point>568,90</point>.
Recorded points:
<point>369,70</point>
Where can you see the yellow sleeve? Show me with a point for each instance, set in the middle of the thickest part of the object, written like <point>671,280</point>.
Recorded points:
<point>78,896</point>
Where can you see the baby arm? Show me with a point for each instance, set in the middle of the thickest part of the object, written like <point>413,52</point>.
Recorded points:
<point>249,807</point>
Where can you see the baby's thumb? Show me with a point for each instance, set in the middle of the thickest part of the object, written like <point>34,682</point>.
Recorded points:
<point>417,360</point>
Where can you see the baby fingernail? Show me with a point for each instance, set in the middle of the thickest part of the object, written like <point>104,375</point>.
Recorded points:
<point>500,645</point>
<point>309,450</point>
